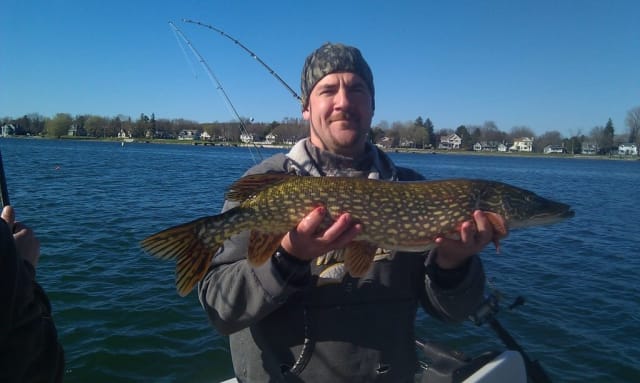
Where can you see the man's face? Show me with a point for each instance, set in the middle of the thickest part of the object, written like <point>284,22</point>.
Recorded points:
<point>340,112</point>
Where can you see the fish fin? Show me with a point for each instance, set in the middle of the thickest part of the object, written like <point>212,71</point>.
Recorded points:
<point>499,228</point>
<point>262,246</point>
<point>253,184</point>
<point>358,257</point>
<point>182,243</point>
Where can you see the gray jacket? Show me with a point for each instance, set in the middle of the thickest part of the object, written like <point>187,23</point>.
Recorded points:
<point>286,325</point>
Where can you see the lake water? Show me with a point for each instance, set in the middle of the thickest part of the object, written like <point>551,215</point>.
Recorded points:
<point>120,319</point>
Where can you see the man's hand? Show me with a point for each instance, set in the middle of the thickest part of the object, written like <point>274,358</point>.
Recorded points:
<point>27,245</point>
<point>307,241</point>
<point>474,236</point>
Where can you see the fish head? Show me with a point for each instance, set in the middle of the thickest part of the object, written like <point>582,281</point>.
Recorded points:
<point>521,208</point>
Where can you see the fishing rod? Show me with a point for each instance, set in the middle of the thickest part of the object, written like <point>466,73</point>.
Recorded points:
<point>487,314</point>
<point>255,56</point>
<point>218,84</point>
<point>4,193</point>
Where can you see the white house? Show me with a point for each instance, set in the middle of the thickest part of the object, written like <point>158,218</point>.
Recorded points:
<point>589,148</point>
<point>554,149</point>
<point>488,146</point>
<point>8,130</point>
<point>271,138</point>
<point>205,136</point>
<point>452,141</point>
<point>522,144</point>
<point>124,134</point>
<point>628,150</point>
<point>247,137</point>
<point>189,134</point>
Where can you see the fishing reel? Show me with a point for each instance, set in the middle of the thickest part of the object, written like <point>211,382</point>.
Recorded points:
<point>491,306</point>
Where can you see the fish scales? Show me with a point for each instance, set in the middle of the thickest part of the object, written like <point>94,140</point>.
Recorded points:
<point>405,216</point>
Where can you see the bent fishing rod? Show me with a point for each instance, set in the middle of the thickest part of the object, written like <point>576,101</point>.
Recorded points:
<point>255,56</point>
<point>217,83</point>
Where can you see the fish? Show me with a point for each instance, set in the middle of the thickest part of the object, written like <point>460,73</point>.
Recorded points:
<point>395,215</point>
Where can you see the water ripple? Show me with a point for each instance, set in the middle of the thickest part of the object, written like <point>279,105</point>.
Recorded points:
<point>120,318</point>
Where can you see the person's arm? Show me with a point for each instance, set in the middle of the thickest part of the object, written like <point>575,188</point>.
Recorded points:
<point>454,294</point>
<point>235,294</point>
<point>455,278</point>
<point>29,347</point>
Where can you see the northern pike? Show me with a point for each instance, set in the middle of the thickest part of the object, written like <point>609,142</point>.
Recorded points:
<point>405,216</point>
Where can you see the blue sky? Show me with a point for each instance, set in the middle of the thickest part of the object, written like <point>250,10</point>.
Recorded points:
<point>549,65</point>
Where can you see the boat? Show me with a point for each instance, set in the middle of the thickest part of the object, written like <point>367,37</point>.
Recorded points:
<point>507,366</point>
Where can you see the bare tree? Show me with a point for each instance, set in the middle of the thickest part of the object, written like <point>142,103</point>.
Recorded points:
<point>548,138</point>
<point>489,132</point>
<point>521,131</point>
<point>633,123</point>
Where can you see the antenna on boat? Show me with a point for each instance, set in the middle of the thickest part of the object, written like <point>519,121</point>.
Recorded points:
<point>255,56</point>
<point>218,85</point>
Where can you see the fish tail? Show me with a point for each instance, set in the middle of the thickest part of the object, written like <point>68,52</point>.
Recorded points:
<point>192,252</point>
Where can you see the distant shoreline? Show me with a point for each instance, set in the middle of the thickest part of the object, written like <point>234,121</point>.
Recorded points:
<point>259,145</point>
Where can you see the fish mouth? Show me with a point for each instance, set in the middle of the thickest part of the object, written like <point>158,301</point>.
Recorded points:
<point>542,219</point>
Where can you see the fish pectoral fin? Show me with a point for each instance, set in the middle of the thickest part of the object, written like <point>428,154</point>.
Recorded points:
<point>262,246</point>
<point>182,243</point>
<point>358,257</point>
<point>498,223</point>
<point>499,228</point>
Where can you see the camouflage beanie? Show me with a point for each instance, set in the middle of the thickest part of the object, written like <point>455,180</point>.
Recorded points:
<point>331,58</point>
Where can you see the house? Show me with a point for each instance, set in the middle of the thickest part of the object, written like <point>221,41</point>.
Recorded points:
<point>76,130</point>
<point>405,143</point>
<point>247,137</point>
<point>189,134</point>
<point>554,149</point>
<point>452,141</point>
<point>487,146</point>
<point>124,134</point>
<point>205,136</point>
<point>385,142</point>
<point>8,130</point>
<point>589,148</point>
<point>628,149</point>
<point>522,144</point>
<point>271,139</point>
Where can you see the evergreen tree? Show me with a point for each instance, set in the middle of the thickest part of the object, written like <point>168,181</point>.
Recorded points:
<point>608,133</point>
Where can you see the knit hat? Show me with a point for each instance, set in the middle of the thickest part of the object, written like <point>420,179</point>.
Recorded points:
<point>331,58</point>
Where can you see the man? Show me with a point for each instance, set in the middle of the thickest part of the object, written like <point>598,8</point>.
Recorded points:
<point>29,348</point>
<point>299,317</point>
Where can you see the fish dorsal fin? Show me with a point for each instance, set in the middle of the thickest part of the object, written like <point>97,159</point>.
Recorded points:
<point>262,246</point>
<point>253,184</point>
<point>358,257</point>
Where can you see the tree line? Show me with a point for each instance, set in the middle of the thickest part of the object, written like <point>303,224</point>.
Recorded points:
<point>419,133</point>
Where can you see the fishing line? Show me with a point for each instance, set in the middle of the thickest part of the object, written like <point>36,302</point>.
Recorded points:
<point>255,56</point>
<point>219,86</point>
<point>186,56</point>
